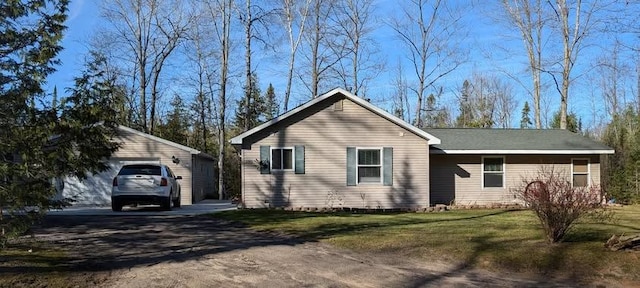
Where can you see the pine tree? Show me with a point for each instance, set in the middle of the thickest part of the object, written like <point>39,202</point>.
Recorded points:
<point>573,122</point>
<point>525,120</point>
<point>176,126</point>
<point>466,117</point>
<point>272,108</point>
<point>621,170</point>
<point>256,107</point>
<point>40,143</point>
<point>435,116</point>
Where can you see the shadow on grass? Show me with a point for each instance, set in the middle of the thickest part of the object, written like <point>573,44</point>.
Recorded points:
<point>107,243</point>
<point>343,223</point>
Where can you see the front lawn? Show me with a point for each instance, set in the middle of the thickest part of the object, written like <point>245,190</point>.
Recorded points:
<point>497,240</point>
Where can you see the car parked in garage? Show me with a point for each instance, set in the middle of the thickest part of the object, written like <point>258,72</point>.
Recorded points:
<point>145,184</point>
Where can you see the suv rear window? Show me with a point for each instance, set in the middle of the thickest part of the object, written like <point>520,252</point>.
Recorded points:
<point>140,170</point>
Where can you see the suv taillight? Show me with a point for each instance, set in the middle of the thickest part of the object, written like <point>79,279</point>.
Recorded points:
<point>163,181</point>
<point>115,181</point>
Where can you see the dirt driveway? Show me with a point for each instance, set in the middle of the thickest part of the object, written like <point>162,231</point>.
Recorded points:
<point>201,251</point>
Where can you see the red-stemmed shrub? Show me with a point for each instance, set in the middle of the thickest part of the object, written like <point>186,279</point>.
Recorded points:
<point>556,202</point>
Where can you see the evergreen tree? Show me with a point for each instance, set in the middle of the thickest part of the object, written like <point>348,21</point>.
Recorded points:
<point>176,126</point>
<point>271,109</point>
<point>256,107</point>
<point>118,95</point>
<point>621,177</point>
<point>525,120</point>
<point>435,117</point>
<point>466,117</point>
<point>39,144</point>
<point>202,127</point>
<point>573,122</point>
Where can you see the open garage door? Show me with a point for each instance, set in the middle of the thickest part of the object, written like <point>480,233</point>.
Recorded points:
<point>96,189</point>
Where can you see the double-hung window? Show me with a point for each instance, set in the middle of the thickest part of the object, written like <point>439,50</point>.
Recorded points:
<point>492,172</point>
<point>369,165</point>
<point>282,158</point>
<point>580,172</point>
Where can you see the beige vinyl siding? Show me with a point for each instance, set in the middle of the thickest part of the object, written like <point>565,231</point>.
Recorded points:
<point>457,179</point>
<point>326,134</point>
<point>136,146</point>
<point>203,177</point>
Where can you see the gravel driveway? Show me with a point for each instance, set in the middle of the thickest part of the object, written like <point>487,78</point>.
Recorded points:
<point>201,251</point>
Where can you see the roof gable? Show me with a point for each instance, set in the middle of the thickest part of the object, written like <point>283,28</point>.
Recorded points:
<point>164,141</point>
<point>514,141</point>
<point>238,140</point>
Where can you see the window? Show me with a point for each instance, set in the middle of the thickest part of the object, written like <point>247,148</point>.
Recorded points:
<point>140,169</point>
<point>282,158</point>
<point>369,166</point>
<point>580,172</point>
<point>492,172</point>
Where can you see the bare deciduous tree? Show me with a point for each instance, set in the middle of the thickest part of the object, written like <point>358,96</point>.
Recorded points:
<point>427,29</point>
<point>294,17</point>
<point>221,11</point>
<point>505,103</point>
<point>356,25</point>
<point>150,31</point>
<point>324,48</point>
<point>253,15</point>
<point>201,53</point>
<point>529,18</point>
<point>612,74</point>
<point>575,20</point>
<point>401,107</point>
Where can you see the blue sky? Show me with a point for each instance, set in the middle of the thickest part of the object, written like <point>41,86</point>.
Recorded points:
<point>485,55</point>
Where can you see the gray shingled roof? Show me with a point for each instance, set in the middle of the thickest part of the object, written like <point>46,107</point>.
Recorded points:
<point>515,140</point>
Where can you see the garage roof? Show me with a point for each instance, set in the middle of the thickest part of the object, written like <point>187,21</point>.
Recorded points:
<point>165,141</point>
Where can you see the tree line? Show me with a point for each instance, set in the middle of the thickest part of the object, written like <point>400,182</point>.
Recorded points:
<point>208,50</point>
<point>189,71</point>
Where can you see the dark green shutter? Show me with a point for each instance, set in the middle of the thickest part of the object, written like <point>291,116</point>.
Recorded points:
<point>299,159</point>
<point>265,157</point>
<point>387,166</point>
<point>351,166</point>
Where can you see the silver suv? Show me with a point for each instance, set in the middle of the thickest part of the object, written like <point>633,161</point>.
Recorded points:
<point>145,184</point>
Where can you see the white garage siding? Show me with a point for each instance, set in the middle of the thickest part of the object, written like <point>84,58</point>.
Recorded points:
<point>96,189</point>
<point>138,147</point>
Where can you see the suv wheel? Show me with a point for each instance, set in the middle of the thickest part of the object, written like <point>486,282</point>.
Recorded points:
<point>176,202</point>
<point>166,202</point>
<point>116,206</point>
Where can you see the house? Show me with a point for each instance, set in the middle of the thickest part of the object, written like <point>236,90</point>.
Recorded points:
<point>195,167</point>
<point>480,166</point>
<point>340,150</point>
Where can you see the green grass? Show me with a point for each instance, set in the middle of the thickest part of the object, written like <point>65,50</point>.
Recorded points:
<point>43,266</point>
<point>498,240</point>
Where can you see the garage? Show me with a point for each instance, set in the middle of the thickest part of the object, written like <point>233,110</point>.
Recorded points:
<point>195,167</point>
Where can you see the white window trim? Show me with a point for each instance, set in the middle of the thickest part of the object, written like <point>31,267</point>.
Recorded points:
<point>358,165</point>
<point>504,172</point>
<point>293,158</point>
<point>588,170</point>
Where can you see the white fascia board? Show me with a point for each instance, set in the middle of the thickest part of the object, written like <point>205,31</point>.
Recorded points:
<point>430,138</point>
<point>538,152</point>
